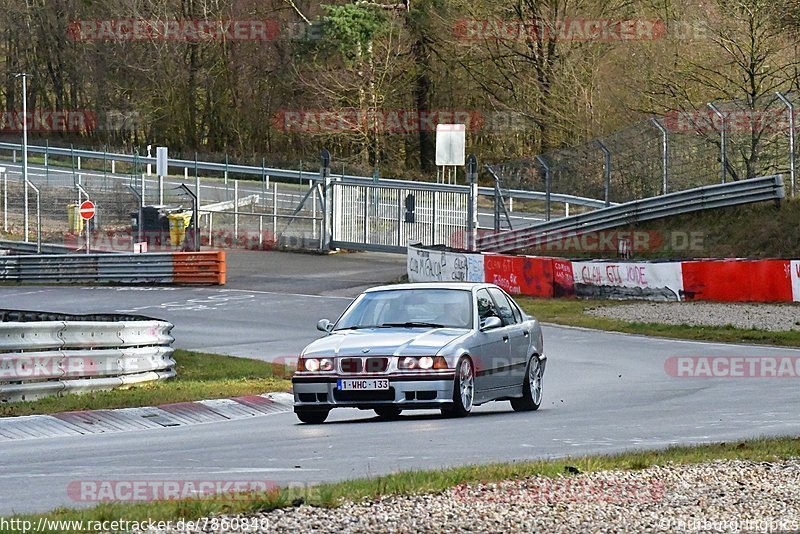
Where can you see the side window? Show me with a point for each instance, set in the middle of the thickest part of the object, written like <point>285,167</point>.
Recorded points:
<point>503,306</point>
<point>515,309</point>
<point>486,306</point>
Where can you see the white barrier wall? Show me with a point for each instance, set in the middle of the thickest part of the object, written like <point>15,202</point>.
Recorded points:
<point>651,281</point>
<point>441,266</point>
<point>725,280</point>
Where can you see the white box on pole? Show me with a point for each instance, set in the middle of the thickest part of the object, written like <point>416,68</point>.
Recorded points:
<point>450,144</point>
<point>161,161</point>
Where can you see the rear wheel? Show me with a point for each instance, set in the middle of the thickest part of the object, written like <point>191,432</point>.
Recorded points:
<point>388,412</point>
<point>531,389</point>
<point>463,390</point>
<point>312,418</point>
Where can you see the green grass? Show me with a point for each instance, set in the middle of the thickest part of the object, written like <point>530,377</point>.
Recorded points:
<point>749,231</point>
<point>415,482</point>
<point>571,312</point>
<point>200,376</point>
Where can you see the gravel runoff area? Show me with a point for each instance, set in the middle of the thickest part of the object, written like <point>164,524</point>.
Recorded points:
<point>772,317</point>
<point>719,496</point>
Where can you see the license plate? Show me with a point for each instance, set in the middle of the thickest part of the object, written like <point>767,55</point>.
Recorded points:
<point>362,384</point>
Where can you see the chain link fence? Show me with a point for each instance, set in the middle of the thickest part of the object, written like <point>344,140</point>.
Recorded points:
<point>688,144</point>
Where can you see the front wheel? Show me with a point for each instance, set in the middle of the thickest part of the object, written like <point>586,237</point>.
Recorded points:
<point>531,389</point>
<point>463,390</point>
<point>312,418</point>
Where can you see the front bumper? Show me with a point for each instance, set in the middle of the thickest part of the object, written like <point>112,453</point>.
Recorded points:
<point>405,392</point>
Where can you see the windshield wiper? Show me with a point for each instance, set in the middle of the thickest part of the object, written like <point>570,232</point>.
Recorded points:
<point>410,324</point>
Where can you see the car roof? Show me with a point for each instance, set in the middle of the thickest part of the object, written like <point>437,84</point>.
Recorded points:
<point>464,286</point>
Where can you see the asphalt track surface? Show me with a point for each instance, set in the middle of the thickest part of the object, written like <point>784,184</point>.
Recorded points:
<point>604,393</point>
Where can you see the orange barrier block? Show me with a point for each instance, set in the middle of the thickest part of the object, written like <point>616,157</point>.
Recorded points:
<point>199,267</point>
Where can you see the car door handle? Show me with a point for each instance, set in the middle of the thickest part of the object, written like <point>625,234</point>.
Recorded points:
<point>525,333</point>
<point>505,339</point>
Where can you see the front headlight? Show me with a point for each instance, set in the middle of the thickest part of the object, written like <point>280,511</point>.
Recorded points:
<point>315,364</point>
<point>426,362</point>
<point>422,362</point>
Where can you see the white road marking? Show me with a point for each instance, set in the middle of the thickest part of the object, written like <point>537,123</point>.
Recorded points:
<point>287,294</point>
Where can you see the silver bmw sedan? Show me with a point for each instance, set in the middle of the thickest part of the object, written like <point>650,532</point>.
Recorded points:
<point>447,346</point>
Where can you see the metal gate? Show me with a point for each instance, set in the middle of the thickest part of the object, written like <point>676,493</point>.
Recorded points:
<point>386,218</point>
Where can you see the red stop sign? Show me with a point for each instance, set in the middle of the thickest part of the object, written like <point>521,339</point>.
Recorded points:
<point>87,210</point>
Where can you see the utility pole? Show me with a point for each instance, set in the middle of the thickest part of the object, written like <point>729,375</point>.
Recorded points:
<point>24,76</point>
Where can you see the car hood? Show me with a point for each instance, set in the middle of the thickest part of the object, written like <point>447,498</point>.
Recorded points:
<point>384,342</point>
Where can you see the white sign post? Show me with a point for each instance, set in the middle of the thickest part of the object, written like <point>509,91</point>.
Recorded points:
<point>161,171</point>
<point>450,150</point>
<point>87,211</point>
<point>5,198</point>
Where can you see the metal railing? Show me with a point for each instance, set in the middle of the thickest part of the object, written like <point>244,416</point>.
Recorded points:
<point>700,198</point>
<point>291,175</point>
<point>46,354</point>
<point>386,218</point>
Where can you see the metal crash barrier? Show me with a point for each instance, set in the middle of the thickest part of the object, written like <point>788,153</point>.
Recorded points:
<point>151,268</point>
<point>44,354</point>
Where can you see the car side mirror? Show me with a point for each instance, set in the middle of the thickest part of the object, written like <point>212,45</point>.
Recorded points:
<point>324,325</point>
<point>491,322</point>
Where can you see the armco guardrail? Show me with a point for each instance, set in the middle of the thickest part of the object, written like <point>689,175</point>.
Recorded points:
<point>152,268</point>
<point>47,248</point>
<point>691,200</point>
<point>301,176</point>
<point>44,354</point>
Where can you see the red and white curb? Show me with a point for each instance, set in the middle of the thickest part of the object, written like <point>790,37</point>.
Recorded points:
<point>150,417</point>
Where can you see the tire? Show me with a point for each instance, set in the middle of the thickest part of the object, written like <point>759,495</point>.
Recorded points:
<point>388,412</point>
<point>463,390</point>
<point>531,388</point>
<point>312,418</point>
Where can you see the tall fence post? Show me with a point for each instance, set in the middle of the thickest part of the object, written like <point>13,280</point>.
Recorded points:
<point>497,194</point>
<point>236,210</point>
<point>790,109</point>
<point>264,182</point>
<point>723,143</point>
<point>46,159</point>
<point>38,216</point>
<point>327,199</point>
<point>25,219</point>
<point>472,207</point>
<point>606,172</point>
<point>548,179</point>
<point>664,155</point>
<point>5,198</point>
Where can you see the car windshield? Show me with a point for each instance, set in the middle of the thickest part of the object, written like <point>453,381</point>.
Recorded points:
<point>408,308</point>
